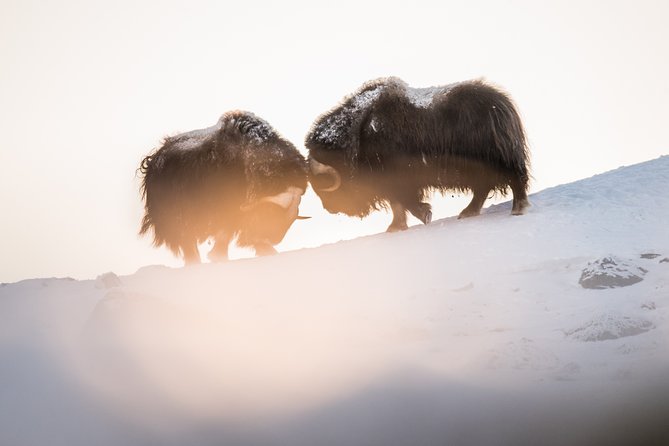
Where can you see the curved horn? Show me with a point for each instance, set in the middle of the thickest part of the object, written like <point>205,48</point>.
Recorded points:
<point>285,199</point>
<point>323,169</point>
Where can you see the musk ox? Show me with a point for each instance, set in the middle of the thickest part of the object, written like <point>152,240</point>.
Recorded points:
<point>390,144</point>
<point>238,178</point>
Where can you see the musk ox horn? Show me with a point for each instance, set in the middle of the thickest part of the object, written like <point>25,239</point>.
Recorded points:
<point>287,199</point>
<point>323,169</point>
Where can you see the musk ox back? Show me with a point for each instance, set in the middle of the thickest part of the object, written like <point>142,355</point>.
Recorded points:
<point>390,144</point>
<point>236,178</point>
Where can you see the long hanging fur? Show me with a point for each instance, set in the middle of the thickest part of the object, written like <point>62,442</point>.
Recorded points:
<point>194,185</point>
<point>394,143</point>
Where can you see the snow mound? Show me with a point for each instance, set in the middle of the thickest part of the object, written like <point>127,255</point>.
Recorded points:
<point>524,354</point>
<point>610,326</point>
<point>107,280</point>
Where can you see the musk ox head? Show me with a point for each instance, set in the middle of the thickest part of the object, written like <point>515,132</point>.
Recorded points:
<point>340,172</point>
<point>342,189</point>
<point>268,219</point>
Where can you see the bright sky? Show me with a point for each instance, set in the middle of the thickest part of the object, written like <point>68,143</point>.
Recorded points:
<point>88,88</point>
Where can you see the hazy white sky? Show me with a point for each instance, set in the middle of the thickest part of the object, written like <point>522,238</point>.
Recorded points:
<point>88,88</point>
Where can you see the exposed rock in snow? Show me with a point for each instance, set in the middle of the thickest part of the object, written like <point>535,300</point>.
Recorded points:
<point>610,272</point>
<point>610,326</point>
<point>649,306</point>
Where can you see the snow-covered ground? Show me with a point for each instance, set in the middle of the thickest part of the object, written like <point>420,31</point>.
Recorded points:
<point>551,328</point>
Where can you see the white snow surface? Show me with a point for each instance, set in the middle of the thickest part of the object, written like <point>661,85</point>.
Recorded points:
<point>461,332</point>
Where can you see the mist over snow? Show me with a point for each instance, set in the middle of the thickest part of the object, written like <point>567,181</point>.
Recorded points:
<point>549,328</point>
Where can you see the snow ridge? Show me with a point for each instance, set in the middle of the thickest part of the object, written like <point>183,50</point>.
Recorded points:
<point>427,333</point>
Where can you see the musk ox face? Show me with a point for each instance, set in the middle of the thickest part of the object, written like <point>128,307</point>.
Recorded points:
<point>389,144</point>
<point>268,220</point>
<point>339,190</point>
<point>236,178</point>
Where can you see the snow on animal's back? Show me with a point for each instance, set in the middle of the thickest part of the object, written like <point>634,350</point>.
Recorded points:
<point>425,97</point>
<point>333,126</point>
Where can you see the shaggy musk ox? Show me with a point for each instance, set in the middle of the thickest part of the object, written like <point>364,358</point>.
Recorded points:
<point>389,143</point>
<point>237,178</point>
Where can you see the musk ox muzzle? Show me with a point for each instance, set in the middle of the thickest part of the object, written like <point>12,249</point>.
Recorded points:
<point>288,200</point>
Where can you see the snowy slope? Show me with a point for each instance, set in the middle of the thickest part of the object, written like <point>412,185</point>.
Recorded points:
<point>469,331</point>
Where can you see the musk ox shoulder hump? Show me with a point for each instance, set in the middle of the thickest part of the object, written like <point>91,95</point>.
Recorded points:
<point>194,139</point>
<point>336,127</point>
<point>246,125</point>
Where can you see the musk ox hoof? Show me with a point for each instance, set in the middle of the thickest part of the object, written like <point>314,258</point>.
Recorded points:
<point>466,213</point>
<point>217,257</point>
<point>427,218</point>
<point>265,250</point>
<point>520,207</point>
<point>423,212</point>
<point>396,227</point>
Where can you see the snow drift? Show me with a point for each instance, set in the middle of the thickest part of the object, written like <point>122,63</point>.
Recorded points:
<point>471,331</point>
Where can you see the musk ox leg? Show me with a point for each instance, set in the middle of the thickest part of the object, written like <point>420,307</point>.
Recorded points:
<point>422,211</point>
<point>399,222</point>
<point>264,249</point>
<point>474,207</point>
<point>191,254</point>
<point>219,253</point>
<point>520,201</point>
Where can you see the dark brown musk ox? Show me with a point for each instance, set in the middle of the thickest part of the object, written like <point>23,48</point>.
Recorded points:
<point>238,178</point>
<point>391,144</point>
